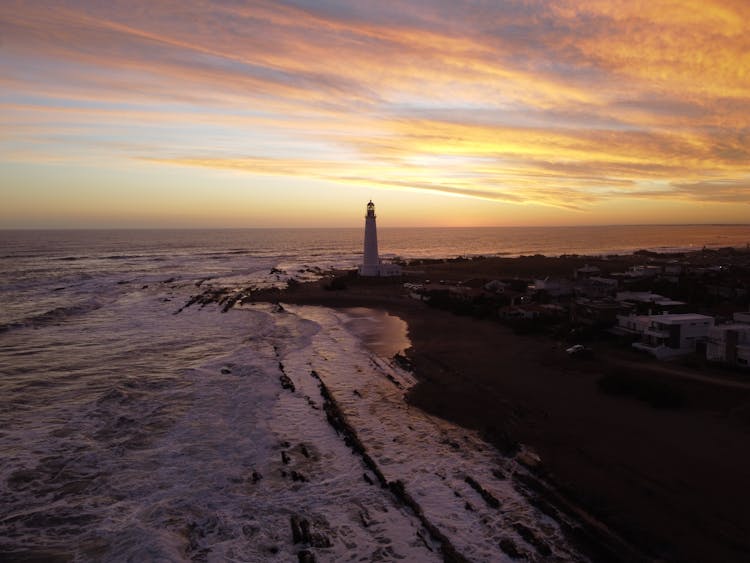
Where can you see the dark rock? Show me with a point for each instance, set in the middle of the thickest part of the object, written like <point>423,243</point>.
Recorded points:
<point>297,476</point>
<point>296,531</point>
<point>510,549</point>
<point>226,371</point>
<point>305,556</point>
<point>394,381</point>
<point>530,537</point>
<point>367,478</point>
<point>230,302</point>
<point>486,495</point>
<point>285,458</point>
<point>304,527</point>
<point>320,540</point>
<point>20,478</point>
<point>286,382</point>
<point>403,362</point>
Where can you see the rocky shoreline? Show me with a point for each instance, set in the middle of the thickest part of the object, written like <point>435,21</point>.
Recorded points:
<point>627,481</point>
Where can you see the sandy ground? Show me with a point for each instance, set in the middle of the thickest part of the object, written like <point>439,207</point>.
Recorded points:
<point>673,482</point>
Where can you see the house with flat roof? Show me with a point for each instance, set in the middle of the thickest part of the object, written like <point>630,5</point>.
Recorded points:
<point>645,301</point>
<point>667,335</point>
<point>730,343</point>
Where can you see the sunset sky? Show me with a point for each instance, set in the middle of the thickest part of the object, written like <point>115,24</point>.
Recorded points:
<point>445,113</point>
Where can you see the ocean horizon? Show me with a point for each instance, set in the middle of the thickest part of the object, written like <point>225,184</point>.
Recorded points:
<point>403,242</point>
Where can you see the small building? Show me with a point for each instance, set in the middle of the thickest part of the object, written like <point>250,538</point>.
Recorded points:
<point>601,313</point>
<point>672,271</point>
<point>586,272</point>
<point>666,335</point>
<point>596,287</point>
<point>650,303</point>
<point>532,311</point>
<point>730,344</point>
<point>553,287</point>
<point>495,286</point>
<point>643,271</point>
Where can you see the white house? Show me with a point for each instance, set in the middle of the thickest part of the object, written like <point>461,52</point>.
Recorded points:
<point>729,343</point>
<point>667,335</point>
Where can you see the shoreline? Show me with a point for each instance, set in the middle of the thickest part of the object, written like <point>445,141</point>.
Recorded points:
<point>583,529</point>
<point>671,482</point>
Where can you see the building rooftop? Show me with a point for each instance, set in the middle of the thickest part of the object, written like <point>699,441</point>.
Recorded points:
<point>647,297</point>
<point>677,317</point>
<point>733,326</point>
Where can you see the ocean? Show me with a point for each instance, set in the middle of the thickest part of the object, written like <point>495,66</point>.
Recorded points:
<point>133,429</point>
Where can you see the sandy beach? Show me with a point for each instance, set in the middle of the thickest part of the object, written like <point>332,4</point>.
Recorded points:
<point>671,482</point>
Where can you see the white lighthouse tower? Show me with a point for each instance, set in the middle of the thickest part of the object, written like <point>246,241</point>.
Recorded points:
<point>371,265</point>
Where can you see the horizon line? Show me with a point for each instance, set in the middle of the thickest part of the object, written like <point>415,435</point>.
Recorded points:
<point>72,229</point>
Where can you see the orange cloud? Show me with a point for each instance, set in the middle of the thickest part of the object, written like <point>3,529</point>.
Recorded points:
<point>566,104</point>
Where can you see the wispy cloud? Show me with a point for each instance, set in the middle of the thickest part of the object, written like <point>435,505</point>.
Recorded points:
<point>563,104</point>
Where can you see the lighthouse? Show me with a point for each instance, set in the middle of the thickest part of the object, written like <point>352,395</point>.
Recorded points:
<point>371,265</point>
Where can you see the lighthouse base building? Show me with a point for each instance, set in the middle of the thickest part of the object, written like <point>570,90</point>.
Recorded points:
<point>372,266</point>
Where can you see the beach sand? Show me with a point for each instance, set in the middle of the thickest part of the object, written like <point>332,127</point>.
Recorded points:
<point>672,482</point>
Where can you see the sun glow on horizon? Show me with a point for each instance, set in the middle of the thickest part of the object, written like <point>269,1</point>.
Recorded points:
<point>449,113</point>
